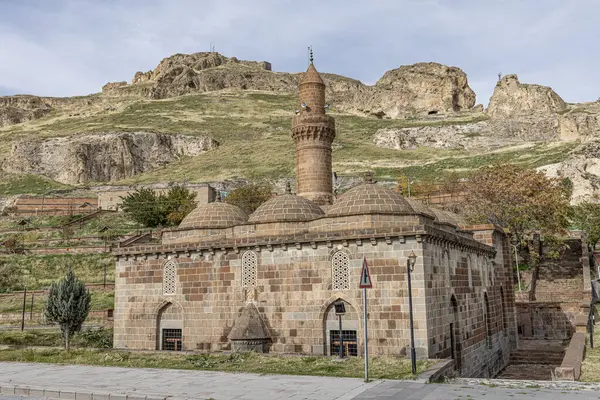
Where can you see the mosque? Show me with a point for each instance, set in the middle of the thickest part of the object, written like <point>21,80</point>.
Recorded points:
<point>269,281</point>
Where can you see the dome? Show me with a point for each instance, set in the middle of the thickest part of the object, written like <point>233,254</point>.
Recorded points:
<point>421,208</point>
<point>286,208</point>
<point>370,199</point>
<point>311,76</point>
<point>214,215</point>
<point>447,217</point>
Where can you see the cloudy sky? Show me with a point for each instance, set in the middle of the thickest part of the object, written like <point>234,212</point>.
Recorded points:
<point>73,47</point>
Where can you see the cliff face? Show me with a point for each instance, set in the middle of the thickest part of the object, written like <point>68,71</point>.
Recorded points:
<point>103,156</point>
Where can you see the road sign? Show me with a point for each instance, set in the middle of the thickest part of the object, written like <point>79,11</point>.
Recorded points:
<point>365,277</point>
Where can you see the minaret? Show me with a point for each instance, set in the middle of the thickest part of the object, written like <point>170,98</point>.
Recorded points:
<point>313,131</point>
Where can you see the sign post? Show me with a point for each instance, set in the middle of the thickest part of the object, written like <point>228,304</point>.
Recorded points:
<point>365,283</point>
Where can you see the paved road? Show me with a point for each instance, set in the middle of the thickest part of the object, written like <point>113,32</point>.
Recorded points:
<point>224,386</point>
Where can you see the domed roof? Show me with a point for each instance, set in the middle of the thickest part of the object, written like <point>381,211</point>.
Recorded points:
<point>214,215</point>
<point>421,208</point>
<point>286,208</point>
<point>311,76</point>
<point>370,199</point>
<point>447,217</point>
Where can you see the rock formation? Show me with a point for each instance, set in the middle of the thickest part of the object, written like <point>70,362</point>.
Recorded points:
<point>102,156</point>
<point>22,108</point>
<point>412,90</point>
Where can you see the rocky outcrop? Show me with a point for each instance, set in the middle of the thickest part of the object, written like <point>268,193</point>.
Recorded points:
<point>22,108</point>
<point>581,121</point>
<point>513,98</point>
<point>102,157</point>
<point>413,90</point>
<point>582,167</point>
<point>525,110</point>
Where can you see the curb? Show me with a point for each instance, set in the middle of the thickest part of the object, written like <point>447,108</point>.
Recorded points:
<point>32,391</point>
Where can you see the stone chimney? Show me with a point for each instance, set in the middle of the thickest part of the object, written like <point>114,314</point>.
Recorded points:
<point>313,131</point>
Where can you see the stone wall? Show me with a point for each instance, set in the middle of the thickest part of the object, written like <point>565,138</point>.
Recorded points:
<point>293,293</point>
<point>470,304</point>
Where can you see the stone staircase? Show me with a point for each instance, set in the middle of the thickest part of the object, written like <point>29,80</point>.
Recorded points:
<point>534,359</point>
<point>561,280</point>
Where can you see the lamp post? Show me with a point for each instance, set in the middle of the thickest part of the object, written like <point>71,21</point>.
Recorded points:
<point>410,265</point>
<point>514,245</point>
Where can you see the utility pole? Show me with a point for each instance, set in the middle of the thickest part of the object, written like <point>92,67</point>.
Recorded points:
<point>24,305</point>
<point>31,308</point>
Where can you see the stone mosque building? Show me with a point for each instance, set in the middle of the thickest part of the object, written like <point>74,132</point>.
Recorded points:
<point>224,280</point>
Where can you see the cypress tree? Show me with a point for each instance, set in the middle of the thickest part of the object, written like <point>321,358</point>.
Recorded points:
<point>68,305</point>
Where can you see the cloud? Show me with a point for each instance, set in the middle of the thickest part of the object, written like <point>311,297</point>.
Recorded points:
<point>72,47</point>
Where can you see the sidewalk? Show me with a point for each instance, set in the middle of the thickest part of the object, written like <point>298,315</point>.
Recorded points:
<point>111,383</point>
<point>176,384</point>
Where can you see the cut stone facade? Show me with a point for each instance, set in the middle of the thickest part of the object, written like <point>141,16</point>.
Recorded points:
<point>293,261</point>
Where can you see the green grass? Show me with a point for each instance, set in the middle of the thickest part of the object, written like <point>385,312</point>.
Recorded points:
<point>39,271</point>
<point>101,300</point>
<point>253,129</point>
<point>380,367</point>
<point>11,184</point>
<point>91,337</point>
<point>590,368</point>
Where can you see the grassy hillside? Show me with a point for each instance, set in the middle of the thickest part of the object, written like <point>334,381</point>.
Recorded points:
<point>253,129</point>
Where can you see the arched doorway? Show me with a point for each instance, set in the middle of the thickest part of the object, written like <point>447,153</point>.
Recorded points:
<point>350,329</point>
<point>169,327</point>
<point>455,342</point>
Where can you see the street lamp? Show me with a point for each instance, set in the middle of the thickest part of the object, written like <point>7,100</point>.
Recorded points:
<point>514,245</point>
<point>410,266</point>
<point>340,310</point>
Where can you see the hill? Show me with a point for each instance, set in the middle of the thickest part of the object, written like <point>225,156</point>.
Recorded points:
<point>419,120</point>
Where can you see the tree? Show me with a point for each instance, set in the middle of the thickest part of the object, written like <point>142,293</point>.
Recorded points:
<point>586,216</point>
<point>250,197</point>
<point>180,202</point>
<point>518,199</point>
<point>153,209</point>
<point>68,305</point>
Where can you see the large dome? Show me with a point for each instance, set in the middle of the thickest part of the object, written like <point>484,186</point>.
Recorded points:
<point>286,208</point>
<point>370,199</point>
<point>214,215</point>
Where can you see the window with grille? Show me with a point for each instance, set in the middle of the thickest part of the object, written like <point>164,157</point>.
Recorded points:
<point>171,339</point>
<point>170,278</point>
<point>340,271</point>
<point>249,269</point>
<point>349,343</point>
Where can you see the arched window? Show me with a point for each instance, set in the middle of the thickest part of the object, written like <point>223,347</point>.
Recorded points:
<point>249,269</point>
<point>340,271</point>
<point>169,278</point>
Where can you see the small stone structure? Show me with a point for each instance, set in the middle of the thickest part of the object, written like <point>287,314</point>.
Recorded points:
<point>250,332</point>
<point>299,254</point>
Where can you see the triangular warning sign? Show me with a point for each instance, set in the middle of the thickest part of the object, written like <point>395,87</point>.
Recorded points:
<point>365,277</point>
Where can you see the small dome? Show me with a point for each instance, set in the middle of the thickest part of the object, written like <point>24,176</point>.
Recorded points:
<point>311,76</point>
<point>421,208</point>
<point>370,199</point>
<point>214,215</point>
<point>447,217</point>
<point>286,208</point>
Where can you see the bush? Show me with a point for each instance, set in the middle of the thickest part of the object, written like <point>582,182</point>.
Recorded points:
<point>250,197</point>
<point>150,209</point>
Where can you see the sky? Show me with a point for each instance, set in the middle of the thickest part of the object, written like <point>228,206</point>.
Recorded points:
<point>73,47</point>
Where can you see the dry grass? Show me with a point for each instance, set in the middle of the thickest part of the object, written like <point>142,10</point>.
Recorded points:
<point>380,367</point>
<point>590,369</point>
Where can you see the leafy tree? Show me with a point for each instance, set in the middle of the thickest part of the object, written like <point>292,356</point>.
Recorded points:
<point>180,202</point>
<point>68,305</point>
<point>586,216</point>
<point>250,197</point>
<point>518,199</point>
<point>152,209</point>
